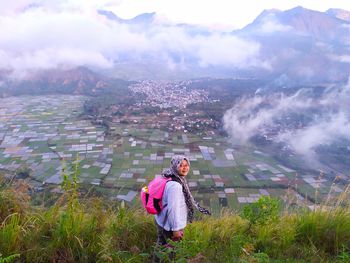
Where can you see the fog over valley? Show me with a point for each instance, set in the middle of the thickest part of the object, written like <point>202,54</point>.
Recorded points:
<point>302,121</point>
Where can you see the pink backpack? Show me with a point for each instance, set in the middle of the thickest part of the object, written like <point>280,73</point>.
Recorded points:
<point>151,195</point>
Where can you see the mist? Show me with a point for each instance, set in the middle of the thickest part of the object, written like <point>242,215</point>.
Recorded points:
<point>302,121</point>
<point>54,36</point>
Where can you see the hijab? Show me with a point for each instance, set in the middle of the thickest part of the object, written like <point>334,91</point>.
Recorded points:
<point>172,172</point>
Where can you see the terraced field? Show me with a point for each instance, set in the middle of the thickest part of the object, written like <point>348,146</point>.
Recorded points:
<point>45,134</point>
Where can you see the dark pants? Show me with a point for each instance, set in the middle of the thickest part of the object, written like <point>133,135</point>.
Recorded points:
<point>162,241</point>
<point>163,235</point>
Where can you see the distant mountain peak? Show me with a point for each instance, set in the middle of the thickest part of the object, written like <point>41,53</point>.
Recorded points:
<point>270,11</point>
<point>307,22</point>
<point>145,18</point>
<point>265,13</point>
<point>109,14</point>
<point>299,8</point>
<point>301,11</point>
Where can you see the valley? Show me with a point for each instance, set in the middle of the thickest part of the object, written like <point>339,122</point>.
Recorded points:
<point>45,135</point>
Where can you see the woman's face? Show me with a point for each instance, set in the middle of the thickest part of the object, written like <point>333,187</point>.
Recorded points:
<point>184,168</point>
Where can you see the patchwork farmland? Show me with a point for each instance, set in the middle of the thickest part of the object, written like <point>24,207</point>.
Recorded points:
<point>46,134</point>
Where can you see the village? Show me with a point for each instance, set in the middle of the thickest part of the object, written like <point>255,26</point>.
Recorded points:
<point>165,106</point>
<point>47,134</point>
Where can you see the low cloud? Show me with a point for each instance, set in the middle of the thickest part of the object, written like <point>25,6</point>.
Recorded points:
<point>344,58</point>
<point>51,58</point>
<point>271,25</point>
<point>229,50</point>
<point>301,121</point>
<point>50,36</point>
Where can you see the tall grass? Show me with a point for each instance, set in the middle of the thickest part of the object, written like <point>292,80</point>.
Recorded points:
<point>79,229</point>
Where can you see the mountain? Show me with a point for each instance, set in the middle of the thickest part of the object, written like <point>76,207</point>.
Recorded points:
<point>110,15</point>
<point>301,21</point>
<point>145,21</point>
<point>79,81</point>
<point>142,19</point>
<point>302,45</point>
<point>298,46</point>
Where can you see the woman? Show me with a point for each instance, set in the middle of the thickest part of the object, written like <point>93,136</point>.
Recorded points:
<point>178,202</point>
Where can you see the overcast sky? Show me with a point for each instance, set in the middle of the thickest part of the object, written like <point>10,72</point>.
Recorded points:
<point>47,34</point>
<point>235,14</point>
<point>221,12</point>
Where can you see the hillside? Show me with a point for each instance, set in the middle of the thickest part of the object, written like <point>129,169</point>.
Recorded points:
<point>75,81</point>
<point>81,229</point>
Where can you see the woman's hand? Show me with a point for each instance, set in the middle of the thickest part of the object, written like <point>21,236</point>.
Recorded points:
<point>177,235</point>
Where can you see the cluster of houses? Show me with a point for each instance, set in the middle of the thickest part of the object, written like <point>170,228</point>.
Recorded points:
<point>169,94</point>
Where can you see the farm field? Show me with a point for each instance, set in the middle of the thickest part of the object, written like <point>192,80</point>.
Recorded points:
<point>47,134</point>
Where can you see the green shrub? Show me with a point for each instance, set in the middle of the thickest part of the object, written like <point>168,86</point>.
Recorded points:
<point>263,211</point>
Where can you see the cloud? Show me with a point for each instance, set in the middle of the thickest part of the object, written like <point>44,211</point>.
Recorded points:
<point>325,131</point>
<point>346,26</point>
<point>302,121</point>
<point>50,35</point>
<point>228,50</point>
<point>13,7</point>
<point>271,25</point>
<point>51,58</point>
<point>342,58</point>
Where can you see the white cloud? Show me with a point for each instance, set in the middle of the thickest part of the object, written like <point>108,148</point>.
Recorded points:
<point>343,58</point>
<point>346,26</point>
<point>50,35</point>
<point>328,118</point>
<point>228,50</point>
<point>52,58</point>
<point>273,26</point>
<point>323,131</point>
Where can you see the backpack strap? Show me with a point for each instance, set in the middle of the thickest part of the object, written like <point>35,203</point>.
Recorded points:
<point>175,179</point>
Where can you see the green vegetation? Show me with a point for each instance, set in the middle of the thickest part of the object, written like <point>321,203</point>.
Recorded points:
<point>8,259</point>
<point>263,211</point>
<point>78,229</point>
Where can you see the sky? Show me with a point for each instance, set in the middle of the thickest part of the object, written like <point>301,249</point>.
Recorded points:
<point>48,34</point>
<point>216,13</point>
<point>233,13</point>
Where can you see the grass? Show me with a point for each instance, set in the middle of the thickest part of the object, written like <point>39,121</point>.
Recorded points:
<point>80,229</point>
